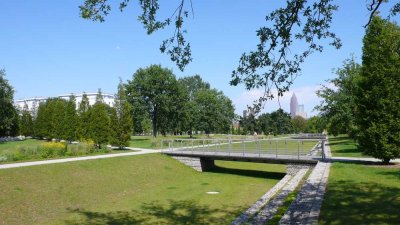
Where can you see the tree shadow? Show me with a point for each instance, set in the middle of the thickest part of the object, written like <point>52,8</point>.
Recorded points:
<point>349,202</point>
<point>395,173</point>
<point>248,173</point>
<point>183,212</point>
<point>347,151</point>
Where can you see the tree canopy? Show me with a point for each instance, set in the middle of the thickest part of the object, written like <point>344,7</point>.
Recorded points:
<point>377,98</point>
<point>9,119</point>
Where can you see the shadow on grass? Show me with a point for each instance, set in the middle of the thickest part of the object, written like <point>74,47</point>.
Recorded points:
<point>248,173</point>
<point>347,150</point>
<point>395,173</point>
<point>348,202</point>
<point>171,213</point>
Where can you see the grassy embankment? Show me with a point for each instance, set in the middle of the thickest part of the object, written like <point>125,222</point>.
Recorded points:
<point>145,189</point>
<point>360,194</point>
<point>343,146</point>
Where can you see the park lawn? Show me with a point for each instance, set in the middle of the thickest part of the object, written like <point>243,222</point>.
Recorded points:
<point>343,146</point>
<point>361,194</point>
<point>143,189</point>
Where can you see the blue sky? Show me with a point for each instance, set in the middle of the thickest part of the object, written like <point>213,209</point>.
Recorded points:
<point>47,49</point>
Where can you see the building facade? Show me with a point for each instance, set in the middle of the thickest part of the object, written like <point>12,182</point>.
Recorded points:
<point>33,103</point>
<point>296,109</point>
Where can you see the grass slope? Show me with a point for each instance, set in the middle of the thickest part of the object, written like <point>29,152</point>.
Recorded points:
<point>343,146</point>
<point>145,189</point>
<point>361,194</point>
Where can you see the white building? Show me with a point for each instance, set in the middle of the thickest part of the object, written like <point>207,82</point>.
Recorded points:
<point>33,103</point>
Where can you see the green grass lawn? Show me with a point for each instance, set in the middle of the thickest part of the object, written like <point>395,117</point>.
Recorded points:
<point>145,189</point>
<point>344,146</point>
<point>361,194</point>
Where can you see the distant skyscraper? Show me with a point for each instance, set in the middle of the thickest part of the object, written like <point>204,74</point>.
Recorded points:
<point>293,105</point>
<point>296,109</point>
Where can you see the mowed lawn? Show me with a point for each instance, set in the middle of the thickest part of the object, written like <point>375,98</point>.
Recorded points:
<point>143,189</point>
<point>361,194</point>
<point>343,146</point>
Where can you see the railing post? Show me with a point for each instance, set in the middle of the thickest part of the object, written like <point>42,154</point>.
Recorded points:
<point>276,149</point>
<point>192,146</point>
<point>229,146</point>
<point>243,146</point>
<point>258,146</point>
<point>323,149</point>
<point>298,150</point>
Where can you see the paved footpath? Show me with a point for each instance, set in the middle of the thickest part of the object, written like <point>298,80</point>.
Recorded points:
<point>138,151</point>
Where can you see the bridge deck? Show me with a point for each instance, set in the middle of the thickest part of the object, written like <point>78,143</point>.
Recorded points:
<point>247,157</point>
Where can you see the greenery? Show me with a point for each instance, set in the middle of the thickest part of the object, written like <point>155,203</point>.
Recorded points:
<point>155,92</point>
<point>377,97</point>
<point>344,146</point>
<point>364,102</point>
<point>275,123</point>
<point>26,122</point>
<point>99,121</point>
<point>32,149</point>
<point>338,106</point>
<point>176,106</point>
<point>9,119</point>
<point>121,119</point>
<point>299,124</point>
<point>145,189</point>
<point>361,194</point>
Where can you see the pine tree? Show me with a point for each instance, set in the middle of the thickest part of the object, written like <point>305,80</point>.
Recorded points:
<point>83,132</point>
<point>71,120</point>
<point>121,119</point>
<point>26,123</point>
<point>99,122</point>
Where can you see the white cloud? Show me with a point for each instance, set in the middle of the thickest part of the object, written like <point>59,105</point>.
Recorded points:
<point>305,95</point>
<point>117,47</point>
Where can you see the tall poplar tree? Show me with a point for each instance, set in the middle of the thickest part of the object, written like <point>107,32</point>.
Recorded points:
<point>378,94</point>
<point>121,120</point>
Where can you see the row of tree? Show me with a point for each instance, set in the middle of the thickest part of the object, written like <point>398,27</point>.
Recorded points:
<point>365,99</point>
<point>60,119</point>
<point>164,104</point>
<point>278,122</point>
<point>153,101</point>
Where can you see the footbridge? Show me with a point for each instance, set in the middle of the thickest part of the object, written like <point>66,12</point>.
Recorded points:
<point>201,153</point>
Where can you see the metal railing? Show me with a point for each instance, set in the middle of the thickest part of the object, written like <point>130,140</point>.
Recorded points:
<point>276,148</point>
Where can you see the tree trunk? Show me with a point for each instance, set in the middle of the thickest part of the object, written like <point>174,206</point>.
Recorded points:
<point>155,122</point>
<point>386,161</point>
